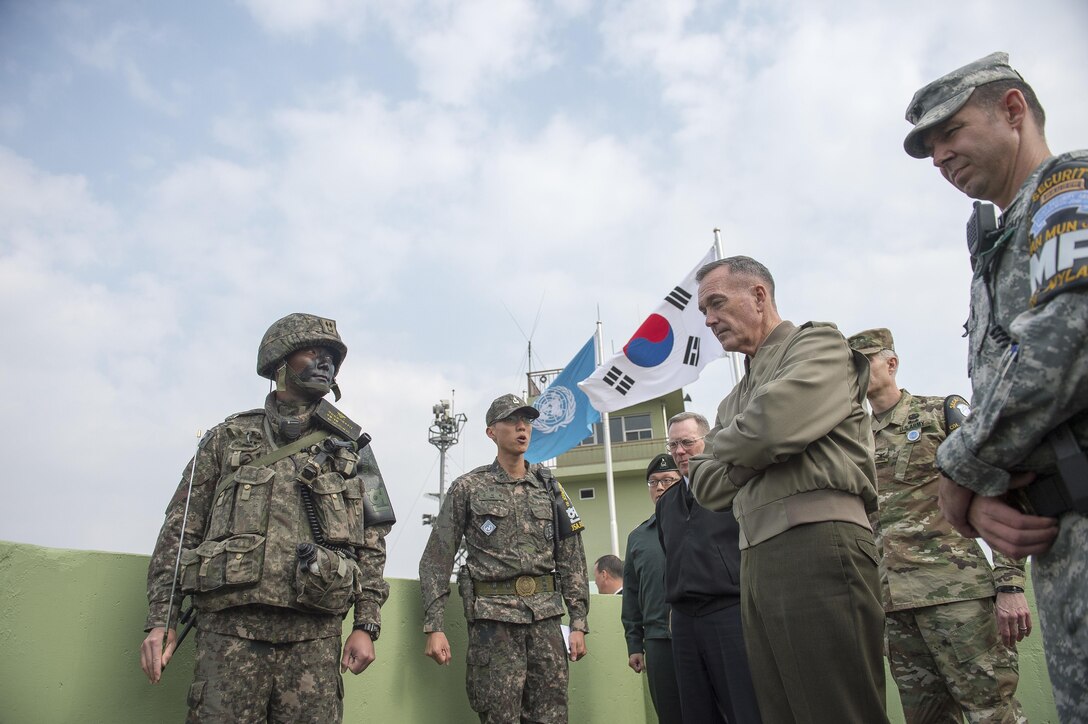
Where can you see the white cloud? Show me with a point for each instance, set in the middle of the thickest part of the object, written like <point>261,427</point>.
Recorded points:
<point>51,218</point>
<point>460,50</point>
<point>288,17</point>
<point>471,45</point>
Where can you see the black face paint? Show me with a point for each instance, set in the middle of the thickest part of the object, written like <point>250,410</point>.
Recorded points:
<point>321,369</point>
<point>318,376</point>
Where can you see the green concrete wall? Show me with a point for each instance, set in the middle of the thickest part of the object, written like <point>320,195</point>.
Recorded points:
<point>71,625</point>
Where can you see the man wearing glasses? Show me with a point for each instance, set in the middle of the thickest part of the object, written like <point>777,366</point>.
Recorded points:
<point>645,614</point>
<point>702,584</point>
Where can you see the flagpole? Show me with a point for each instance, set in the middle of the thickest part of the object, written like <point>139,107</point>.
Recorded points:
<point>734,358</point>
<point>610,484</point>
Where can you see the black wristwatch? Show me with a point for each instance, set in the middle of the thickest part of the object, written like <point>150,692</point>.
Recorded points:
<point>371,628</point>
<point>1009,589</point>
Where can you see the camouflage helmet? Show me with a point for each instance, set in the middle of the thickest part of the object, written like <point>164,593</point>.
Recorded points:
<point>294,332</point>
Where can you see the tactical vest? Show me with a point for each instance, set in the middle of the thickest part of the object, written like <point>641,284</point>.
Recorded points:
<point>249,553</point>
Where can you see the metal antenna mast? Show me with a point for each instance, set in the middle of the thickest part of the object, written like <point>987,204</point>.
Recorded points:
<point>444,432</point>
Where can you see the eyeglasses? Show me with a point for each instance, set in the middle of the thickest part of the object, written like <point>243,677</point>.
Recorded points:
<point>687,443</point>
<point>664,483</point>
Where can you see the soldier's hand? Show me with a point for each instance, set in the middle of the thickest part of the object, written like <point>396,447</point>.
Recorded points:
<point>358,652</point>
<point>438,648</point>
<point>954,500</point>
<point>153,657</point>
<point>577,645</point>
<point>637,663</point>
<point>1008,530</point>
<point>1013,618</point>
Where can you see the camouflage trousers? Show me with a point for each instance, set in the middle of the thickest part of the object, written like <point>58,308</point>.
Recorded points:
<point>947,659</point>
<point>1060,577</point>
<point>517,672</point>
<point>241,681</point>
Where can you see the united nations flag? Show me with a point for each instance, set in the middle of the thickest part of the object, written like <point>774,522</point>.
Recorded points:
<point>566,417</point>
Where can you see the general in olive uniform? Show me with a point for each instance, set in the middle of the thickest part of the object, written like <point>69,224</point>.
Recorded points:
<point>525,559</point>
<point>951,647</point>
<point>285,517</point>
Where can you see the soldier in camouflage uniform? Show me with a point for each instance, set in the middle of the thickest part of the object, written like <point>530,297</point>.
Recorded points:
<point>938,588</point>
<point>525,558</point>
<point>270,589</point>
<point>984,129</point>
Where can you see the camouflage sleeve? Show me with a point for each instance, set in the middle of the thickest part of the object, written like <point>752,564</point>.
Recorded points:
<point>631,611</point>
<point>1008,571</point>
<point>160,570</point>
<point>1044,380</point>
<point>436,564</point>
<point>574,580</point>
<point>371,589</point>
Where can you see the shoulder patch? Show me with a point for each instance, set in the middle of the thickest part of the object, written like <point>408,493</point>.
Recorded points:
<point>1058,232</point>
<point>956,412</point>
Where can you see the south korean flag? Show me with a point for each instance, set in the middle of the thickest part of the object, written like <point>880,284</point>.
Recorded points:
<point>668,350</point>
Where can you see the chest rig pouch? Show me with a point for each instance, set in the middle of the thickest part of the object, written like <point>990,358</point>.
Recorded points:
<point>232,552</point>
<point>326,572</point>
<point>332,495</point>
<point>243,506</point>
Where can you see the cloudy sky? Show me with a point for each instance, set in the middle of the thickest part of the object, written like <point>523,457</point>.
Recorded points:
<point>445,178</point>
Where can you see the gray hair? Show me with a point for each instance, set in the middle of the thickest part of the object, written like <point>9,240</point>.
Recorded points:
<point>700,421</point>
<point>887,354</point>
<point>743,266</point>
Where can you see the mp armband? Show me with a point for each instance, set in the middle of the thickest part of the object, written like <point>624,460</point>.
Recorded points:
<point>1057,248</point>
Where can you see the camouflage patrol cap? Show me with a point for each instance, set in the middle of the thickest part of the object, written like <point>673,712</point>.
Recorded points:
<point>506,406</point>
<point>294,332</point>
<point>872,341</point>
<point>662,464</point>
<point>942,98</point>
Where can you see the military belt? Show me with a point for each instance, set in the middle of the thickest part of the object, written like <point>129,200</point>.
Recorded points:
<point>520,586</point>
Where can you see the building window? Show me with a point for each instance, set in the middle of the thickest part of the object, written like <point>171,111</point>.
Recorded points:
<point>637,427</point>
<point>587,493</point>
<point>595,437</point>
<point>630,428</point>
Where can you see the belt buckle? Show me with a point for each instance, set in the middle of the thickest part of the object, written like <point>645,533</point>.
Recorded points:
<point>525,585</point>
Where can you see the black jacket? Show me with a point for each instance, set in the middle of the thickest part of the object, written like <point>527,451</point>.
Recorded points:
<point>702,553</point>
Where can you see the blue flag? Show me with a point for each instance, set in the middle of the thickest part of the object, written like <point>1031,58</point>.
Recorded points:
<point>566,417</point>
